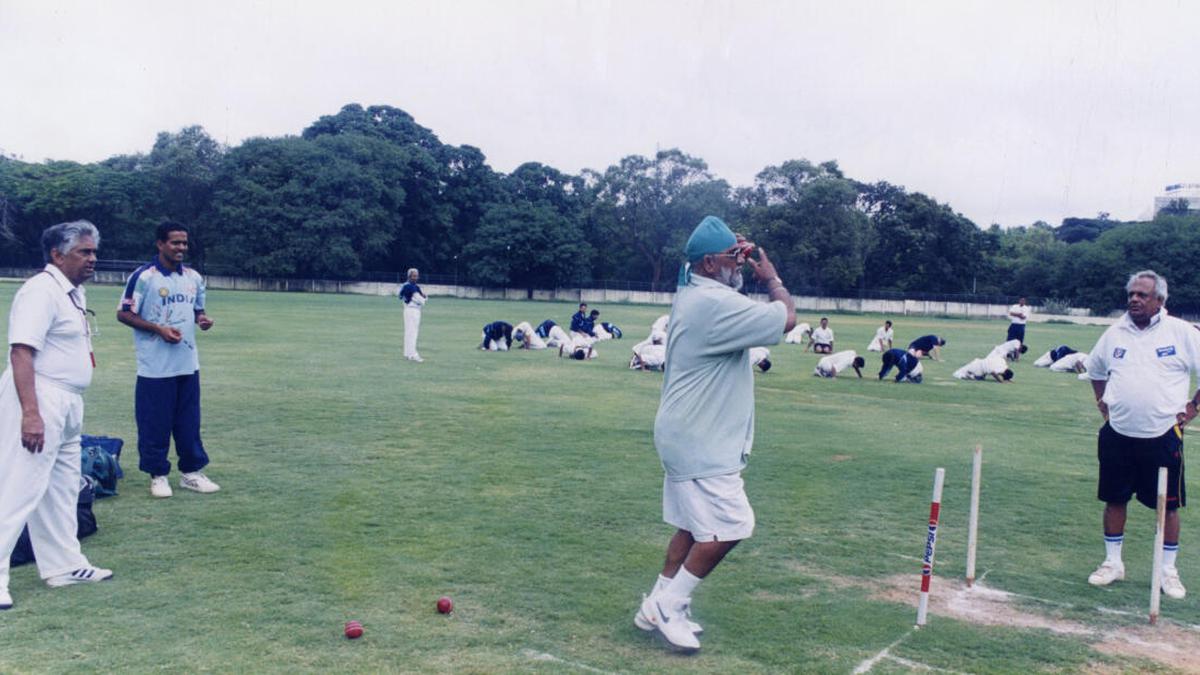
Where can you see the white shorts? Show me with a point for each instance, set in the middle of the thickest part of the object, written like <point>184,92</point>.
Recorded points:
<point>711,509</point>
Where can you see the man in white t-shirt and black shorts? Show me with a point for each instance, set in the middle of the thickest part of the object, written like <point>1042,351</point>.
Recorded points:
<point>1141,370</point>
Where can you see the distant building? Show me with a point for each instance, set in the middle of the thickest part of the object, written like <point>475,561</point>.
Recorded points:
<point>1189,192</point>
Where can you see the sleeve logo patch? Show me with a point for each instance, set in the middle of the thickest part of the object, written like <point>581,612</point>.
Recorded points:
<point>1118,353</point>
<point>1162,352</point>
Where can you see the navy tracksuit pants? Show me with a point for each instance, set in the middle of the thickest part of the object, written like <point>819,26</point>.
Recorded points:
<point>165,407</point>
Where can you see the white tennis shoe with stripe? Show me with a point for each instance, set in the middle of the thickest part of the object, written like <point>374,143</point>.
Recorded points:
<point>83,575</point>
<point>669,616</point>
<point>198,482</point>
<point>5,599</point>
<point>644,621</point>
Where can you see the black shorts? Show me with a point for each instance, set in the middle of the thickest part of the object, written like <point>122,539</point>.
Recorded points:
<point>1016,331</point>
<point>1130,465</point>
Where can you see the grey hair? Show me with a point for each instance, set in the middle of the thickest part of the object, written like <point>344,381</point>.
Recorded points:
<point>1160,282</point>
<point>64,236</point>
<point>411,271</point>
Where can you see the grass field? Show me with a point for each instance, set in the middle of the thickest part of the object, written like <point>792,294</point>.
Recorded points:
<point>357,485</point>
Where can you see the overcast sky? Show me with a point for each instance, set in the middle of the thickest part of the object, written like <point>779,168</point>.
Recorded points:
<point>1011,112</point>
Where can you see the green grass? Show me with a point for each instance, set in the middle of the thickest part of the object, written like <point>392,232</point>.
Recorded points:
<point>360,486</point>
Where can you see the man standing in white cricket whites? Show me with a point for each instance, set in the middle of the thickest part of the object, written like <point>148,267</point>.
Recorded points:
<point>414,299</point>
<point>705,424</point>
<point>1141,369</point>
<point>41,410</point>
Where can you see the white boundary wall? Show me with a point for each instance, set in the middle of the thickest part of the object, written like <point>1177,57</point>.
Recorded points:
<point>808,304</point>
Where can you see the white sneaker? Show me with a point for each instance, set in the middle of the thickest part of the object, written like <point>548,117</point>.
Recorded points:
<point>1108,572</point>
<point>1171,585</point>
<point>198,482</point>
<point>646,621</point>
<point>5,600</point>
<point>83,575</point>
<point>159,487</point>
<point>669,616</point>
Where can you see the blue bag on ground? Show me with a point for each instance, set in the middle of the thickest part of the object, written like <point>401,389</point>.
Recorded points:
<point>97,460</point>
<point>110,445</point>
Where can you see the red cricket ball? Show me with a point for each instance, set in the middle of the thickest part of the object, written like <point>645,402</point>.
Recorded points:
<point>445,605</point>
<point>354,630</point>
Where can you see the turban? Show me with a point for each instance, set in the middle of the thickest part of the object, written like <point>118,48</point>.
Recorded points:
<point>712,235</point>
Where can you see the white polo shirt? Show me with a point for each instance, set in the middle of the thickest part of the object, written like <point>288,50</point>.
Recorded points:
<point>1067,363</point>
<point>840,362</point>
<point>798,333</point>
<point>992,364</point>
<point>1023,310</point>
<point>1148,372</point>
<point>48,315</point>
<point>822,336</point>
<point>1006,349</point>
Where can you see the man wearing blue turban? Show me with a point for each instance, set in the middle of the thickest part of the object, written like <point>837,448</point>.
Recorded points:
<point>705,424</point>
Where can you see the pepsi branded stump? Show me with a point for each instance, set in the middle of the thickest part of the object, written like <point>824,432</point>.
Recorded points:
<point>935,506</point>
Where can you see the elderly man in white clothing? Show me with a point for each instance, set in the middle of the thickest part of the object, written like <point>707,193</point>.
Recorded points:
<point>704,428</point>
<point>822,338</point>
<point>414,301</point>
<point>1141,371</point>
<point>41,410</point>
<point>883,338</point>
<point>993,365</point>
<point>840,362</point>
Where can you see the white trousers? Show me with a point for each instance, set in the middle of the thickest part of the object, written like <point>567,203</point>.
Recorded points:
<point>412,326</point>
<point>41,489</point>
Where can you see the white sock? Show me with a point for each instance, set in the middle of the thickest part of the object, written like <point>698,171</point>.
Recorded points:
<point>1169,552</point>
<point>1112,547</point>
<point>682,585</point>
<point>660,585</point>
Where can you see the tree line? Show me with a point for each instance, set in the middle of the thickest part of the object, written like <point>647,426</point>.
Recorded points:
<point>369,190</point>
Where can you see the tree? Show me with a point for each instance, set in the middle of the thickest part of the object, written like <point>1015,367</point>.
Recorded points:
<point>309,208</point>
<point>528,245</point>
<point>647,206</point>
<point>185,165</point>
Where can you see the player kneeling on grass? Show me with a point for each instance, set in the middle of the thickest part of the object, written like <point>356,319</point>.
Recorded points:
<point>908,366</point>
<point>1141,368</point>
<point>528,337</point>
<point>1071,363</point>
<point>798,335</point>
<point>928,345</point>
<point>1045,360</point>
<point>704,428</point>
<point>1011,350</point>
<point>648,356</point>
<point>993,365</point>
<point>497,336</point>
<point>760,357</point>
<point>822,338</point>
<point>833,364</point>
